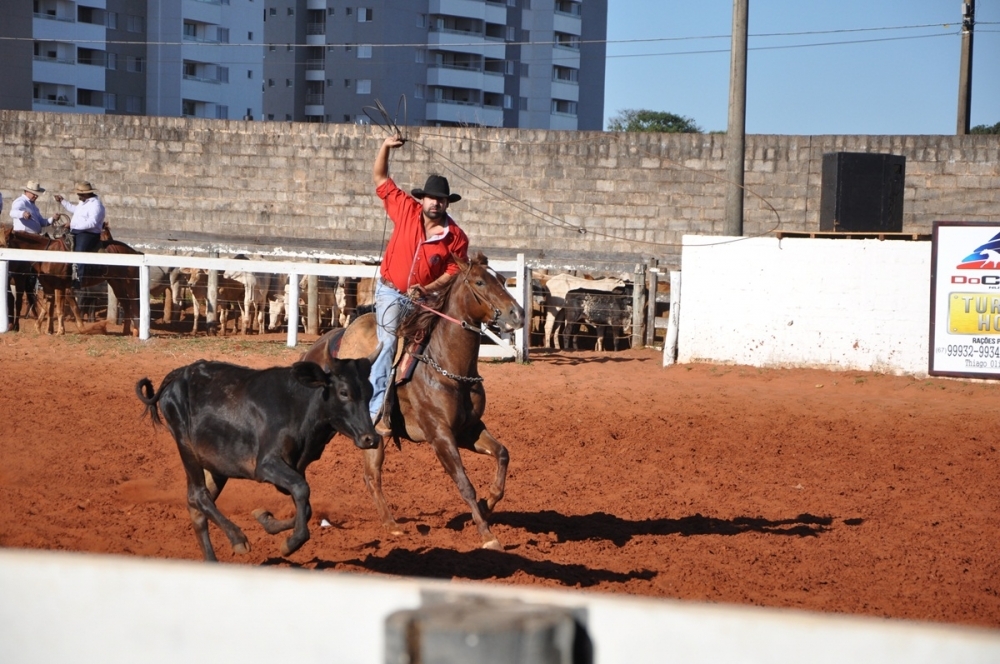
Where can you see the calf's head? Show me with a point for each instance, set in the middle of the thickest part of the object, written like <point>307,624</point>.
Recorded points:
<point>346,393</point>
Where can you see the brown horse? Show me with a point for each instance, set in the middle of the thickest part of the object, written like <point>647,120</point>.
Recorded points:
<point>444,399</point>
<point>55,278</point>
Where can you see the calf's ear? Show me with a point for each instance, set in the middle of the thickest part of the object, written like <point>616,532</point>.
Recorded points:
<point>310,374</point>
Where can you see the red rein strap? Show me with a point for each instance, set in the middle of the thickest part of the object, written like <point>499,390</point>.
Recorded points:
<point>447,317</point>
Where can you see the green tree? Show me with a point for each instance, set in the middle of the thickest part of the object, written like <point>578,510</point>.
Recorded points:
<point>986,129</point>
<point>655,121</point>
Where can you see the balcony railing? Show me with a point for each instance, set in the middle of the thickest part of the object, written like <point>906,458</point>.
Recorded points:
<point>63,60</point>
<point>200,79</point>
<point>53,17</point>
<point>315,64</point>
<point>63,101</point>
<point>314,99</point>
<point>316,28</point>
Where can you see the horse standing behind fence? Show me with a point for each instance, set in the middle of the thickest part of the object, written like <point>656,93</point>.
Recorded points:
<point>55,280</point>
<point>443,401</point>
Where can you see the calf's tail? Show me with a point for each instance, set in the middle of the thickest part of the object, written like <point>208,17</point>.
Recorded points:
<point>146,392</point>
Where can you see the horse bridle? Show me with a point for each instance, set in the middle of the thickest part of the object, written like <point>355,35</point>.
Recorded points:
<point>430,361</point>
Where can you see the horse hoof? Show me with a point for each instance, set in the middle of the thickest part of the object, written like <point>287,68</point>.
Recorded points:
<point>242,548</point>
<point>493,544</point>
<point>261,514</point>
<point>288,549</point>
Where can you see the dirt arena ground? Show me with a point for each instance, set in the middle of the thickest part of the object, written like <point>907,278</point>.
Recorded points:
<point>846,492</point>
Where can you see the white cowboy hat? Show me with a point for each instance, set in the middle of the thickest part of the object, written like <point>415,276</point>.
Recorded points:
<point>84,187</point>
<point>34,188</point>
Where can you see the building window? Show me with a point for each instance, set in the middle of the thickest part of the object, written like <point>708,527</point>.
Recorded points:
<point>270,82</point>
<point>221,112</point>
<point>270,116</point>
<point>288,82</point>
<point>110,101</point>
<point>421,55</point>
<point>364,51</point>
<point>508,102</point>
<point>563,107</point>
<point>329,11</point>
<point>222,74</point>
<point>272,47</point>
<point>291,11</point>
<point>349,10</point>
<point>190,30</point>
<point>249,36</point>
<point>135,24</point>
<point>347,82</point>
<point>273,12</point>
<point>418,92</point>
<point>565,74</point>
<point>364,14</point>
<point>288,117</point>
<point>133,104</point>
<point>250,73</point>
<point>364,86</point>
<point>510,33</point>
<point>508,67</point>
<point>421,20</point>
<point>524,70</point>
<point>134,63</point>
<point>112,61</point>
<point>522,103</point>
<point>111,20</point>
<point>222,34</point>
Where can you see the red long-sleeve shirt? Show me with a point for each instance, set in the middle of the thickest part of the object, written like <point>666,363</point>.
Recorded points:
<point>411,258</point>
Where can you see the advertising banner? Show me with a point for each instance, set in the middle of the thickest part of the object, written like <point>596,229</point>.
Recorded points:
<point>965,300</point>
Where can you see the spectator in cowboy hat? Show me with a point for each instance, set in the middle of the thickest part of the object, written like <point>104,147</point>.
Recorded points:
<point>420,257</point>
<point>25,213</point>
<point>85,225</point>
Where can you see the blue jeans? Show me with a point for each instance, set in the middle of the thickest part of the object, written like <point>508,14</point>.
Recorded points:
<point>390,307</point>
<point>84,241</point>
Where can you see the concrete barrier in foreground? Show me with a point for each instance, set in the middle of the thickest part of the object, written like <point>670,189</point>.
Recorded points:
<point>82,608</point>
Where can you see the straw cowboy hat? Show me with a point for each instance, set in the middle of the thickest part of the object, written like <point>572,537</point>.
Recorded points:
<point>84,187</point>
<point>436,187</point>
<point>34,188</point>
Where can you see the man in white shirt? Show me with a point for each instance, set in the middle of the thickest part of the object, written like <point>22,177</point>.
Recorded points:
<point>25,213</point>
<point>86,224</point>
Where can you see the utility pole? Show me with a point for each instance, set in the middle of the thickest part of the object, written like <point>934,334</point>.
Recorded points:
<point>736,132</point>
<point>965,69</point>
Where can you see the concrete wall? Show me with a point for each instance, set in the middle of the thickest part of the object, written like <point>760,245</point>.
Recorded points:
<point>634,195</point>
<point>60,607</point>
<point>833,304</point>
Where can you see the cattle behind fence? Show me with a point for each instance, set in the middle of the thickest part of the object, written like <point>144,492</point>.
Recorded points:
<point>511,346</point>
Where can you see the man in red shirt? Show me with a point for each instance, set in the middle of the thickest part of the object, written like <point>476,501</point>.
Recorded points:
<point>419,258</point>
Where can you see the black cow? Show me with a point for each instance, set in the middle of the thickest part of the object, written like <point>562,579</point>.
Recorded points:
<point>599,309</point>
<point>264,425</point>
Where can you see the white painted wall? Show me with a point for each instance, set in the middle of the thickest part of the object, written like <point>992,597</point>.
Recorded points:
<point>802,302</point>
<point>88,609</point>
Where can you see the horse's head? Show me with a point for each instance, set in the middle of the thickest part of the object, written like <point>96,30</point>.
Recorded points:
<point>483,297</point>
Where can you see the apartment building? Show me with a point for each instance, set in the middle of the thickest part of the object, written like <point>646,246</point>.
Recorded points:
<point>535,64</point>
<point>493,63</point>
<point>198,58</point>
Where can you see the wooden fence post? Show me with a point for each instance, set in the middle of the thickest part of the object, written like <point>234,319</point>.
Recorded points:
<point>638,305</point>
<point>312,302</point>
<point>211,310</point>
<point>652,274</point>
<point>673,320</point>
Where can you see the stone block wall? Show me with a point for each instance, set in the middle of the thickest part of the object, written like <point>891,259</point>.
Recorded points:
<point>562,198</point>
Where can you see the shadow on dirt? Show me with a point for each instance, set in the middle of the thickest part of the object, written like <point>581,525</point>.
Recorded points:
<point>478,565</point>
<point>602,526</point>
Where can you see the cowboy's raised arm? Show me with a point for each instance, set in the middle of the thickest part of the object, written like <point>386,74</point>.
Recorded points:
<point>380,172</point>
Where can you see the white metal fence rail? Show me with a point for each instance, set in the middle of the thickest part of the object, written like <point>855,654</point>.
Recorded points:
<point>512,346</point>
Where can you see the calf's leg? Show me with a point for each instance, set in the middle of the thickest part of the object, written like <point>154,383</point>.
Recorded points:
<point>285,477</point>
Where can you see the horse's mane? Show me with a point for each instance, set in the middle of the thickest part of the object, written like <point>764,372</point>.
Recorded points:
<point>420,322</point>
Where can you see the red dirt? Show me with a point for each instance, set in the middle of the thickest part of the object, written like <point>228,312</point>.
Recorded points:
<point>846,492</point>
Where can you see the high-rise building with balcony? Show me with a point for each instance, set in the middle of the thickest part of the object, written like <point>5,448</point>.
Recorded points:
<point>493,63</point>
<point>496,63</point>
<point>142,57</point>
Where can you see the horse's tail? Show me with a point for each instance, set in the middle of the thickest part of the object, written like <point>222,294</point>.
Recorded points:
<point>146,392</point>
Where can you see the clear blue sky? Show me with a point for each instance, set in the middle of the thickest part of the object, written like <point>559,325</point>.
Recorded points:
<point>897,80</point>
